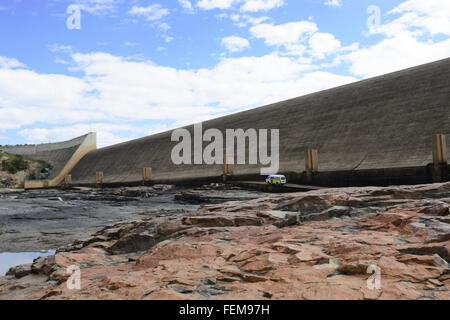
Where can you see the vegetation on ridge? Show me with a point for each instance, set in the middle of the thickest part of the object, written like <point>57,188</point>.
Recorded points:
<point>14,163</point>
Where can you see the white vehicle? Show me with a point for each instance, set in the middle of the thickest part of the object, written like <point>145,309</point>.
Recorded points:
<point>276,179</point>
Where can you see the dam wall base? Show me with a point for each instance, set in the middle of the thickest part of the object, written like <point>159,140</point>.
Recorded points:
<point>331,179</point>
<point>374,177</point>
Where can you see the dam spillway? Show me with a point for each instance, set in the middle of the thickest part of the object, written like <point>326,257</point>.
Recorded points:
<point>62,156</point>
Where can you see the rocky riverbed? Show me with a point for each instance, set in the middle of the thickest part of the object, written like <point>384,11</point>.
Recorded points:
<point>348,243</point>
<point>36,220</point>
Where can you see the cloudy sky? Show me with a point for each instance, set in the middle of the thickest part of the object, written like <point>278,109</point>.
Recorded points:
<point>130,68</point>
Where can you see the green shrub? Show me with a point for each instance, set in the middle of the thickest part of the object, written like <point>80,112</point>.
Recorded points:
<point>19,163</point>
<point>14,164</point>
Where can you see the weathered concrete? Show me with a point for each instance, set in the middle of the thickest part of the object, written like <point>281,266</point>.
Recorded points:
<point>439,149</point>
<point>312,160</point>
<point>63,156</point>
<point>382,123</point>
<point>366,132</point>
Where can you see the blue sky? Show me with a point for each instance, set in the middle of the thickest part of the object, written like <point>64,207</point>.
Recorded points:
<point>134,68</point>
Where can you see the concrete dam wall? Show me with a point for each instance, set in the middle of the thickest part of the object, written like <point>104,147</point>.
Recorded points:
<point>61,155</point>
<point>377,131</point>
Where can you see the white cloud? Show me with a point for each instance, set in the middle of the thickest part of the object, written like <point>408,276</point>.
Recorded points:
<point>235,44</point>
<point>323,44</point>
<point>61,61</point>
<point>409,39</point>
<point>235,17</point>
<point>107,133</point>
<point>8,63</point>
<point>27,97</point>
<point>245,5</point>
<point>400,52</point>
<point>168,39</point>
<point>333,3</point>
<point>258,5</point>
<point>353,47</point>
<point>256,20</point>
<point>114,89</point>
<point>434,16</point>
<point>284,34</point>
<point>242,20</point>
<point>151,13</point>
<point>418,17</point>
<point>97,7</point>
<point>186,5</point>
<point>215,4</point>
<point>59,48</point>
<point>164,26</point>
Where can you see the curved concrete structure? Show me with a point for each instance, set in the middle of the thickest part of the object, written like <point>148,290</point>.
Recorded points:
<point>63,156</point>
<point>379,128</point>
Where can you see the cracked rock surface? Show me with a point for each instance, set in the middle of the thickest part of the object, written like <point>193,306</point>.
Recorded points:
<point>35,220</point>
<point>327,244</point>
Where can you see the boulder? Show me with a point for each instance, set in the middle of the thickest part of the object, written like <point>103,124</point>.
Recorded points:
<point>20,270</point>
<point>133,243</point>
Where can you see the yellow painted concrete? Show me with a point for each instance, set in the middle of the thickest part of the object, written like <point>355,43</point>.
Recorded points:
<point>439,149</point>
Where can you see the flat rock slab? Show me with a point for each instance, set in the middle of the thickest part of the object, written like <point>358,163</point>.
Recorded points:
<point>207,254</point>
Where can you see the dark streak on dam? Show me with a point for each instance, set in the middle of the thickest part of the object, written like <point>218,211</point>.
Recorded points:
<point>372,132</point>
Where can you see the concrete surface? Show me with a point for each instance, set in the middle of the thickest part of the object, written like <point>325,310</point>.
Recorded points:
<point>383,122</point>
<point>365,127</point>
<point>63,156</point>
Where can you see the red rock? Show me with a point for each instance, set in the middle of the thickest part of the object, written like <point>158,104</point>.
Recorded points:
<point>309,253</point>
<point>209,221</point>
<point>270,238</point>
<point>253,278</point>
<point>258,264</point>
<point>442,249</point>
<point>435,282</point>
<point>170,227</point>
<point>441,209</point>
<point>20,271</point>
<point>236,251</point>
<point>286,247</point>
<point>43,265</point>
<point>353,268</point>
